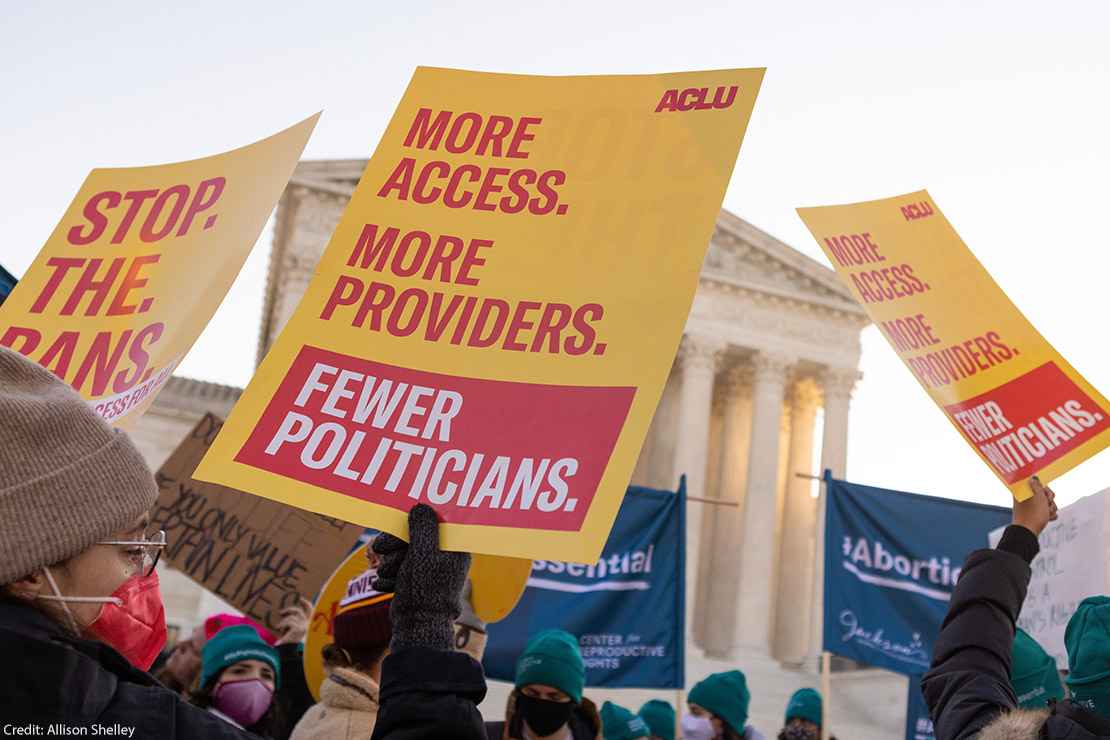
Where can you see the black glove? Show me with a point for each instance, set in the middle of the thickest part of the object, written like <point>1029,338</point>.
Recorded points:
<point>426,581</point>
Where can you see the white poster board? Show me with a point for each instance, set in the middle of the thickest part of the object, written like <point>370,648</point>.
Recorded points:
<point>1070,567</point>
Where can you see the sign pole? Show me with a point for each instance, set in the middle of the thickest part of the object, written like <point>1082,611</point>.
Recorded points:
<point>678,712</point>
<point>826,659</point>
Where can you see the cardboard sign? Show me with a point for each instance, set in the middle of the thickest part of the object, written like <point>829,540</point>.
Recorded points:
<point>137,266</point>
<point>1070,567</point>
<point>258,555</point>
<point>1022,408</point>
<point>491,325</point>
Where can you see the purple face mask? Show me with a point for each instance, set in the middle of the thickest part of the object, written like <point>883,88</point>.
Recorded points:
<point>243,701</point>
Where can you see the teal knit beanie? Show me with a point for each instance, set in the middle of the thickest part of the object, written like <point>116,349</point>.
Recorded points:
<point>552,658</point>
<point>1033,673</point>
<point>660,718</point>
<point>805,704</point>
<point>725,695</point>
<point>1087,640</point>
<point>618,723</point>
<point>233,645</point>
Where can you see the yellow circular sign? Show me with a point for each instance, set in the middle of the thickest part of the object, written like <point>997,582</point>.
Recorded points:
<point>497,584</point>
<point>323,614</point>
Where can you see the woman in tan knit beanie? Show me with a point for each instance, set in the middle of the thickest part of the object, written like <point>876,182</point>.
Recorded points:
<point>80,614</point>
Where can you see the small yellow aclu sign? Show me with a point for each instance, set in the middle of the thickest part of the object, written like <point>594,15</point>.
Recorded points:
<point>1019,404</point>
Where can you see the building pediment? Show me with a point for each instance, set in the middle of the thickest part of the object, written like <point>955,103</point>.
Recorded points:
<point>746,257</point>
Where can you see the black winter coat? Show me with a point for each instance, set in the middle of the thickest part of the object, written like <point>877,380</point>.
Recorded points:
<point>428,693</point>
<point>293,694</point>
<point>50,677</point>
<point>968,686</point>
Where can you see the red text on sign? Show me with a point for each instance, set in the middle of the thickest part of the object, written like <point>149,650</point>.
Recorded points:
<point>938,368</point>
<point>697,98</point>
<point>917,210</point>
<point>166,211</point>
<point>96,361</point>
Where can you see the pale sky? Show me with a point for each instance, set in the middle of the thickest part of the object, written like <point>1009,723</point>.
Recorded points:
<point>1000,109</point>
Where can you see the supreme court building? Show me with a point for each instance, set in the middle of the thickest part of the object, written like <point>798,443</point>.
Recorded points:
<point>759,392</point>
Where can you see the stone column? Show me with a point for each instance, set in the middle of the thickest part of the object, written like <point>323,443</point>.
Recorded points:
<point>836,387</point>
<point>720,576</point>
<point>655,466</point>
<point>796,553</point>
<point>757,548</point>
<point>698,358</point>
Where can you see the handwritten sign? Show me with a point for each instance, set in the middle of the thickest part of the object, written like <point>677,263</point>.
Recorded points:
<point>491,325</point>
<point>137,266</point>
<point>1019,404</point>
<point>258,555</point>
<point>1070,567</point>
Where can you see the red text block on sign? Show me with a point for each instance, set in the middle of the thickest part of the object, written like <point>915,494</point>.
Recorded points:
<point>480,451</point>
<point>1025,424</point>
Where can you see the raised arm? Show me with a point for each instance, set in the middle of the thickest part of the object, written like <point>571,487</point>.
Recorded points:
<point>968,685</point>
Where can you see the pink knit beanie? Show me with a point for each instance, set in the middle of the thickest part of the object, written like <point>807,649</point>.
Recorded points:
<point>67,479</point>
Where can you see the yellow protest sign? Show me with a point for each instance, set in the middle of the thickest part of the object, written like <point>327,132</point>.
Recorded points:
<point>1017,402</point>
<point>492,322</point>
<point>137,266</point>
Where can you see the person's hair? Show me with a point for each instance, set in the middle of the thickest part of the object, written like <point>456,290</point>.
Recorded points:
<point>271,725</point>
<point>731,734</point>
<point>782,734</point>
<point>55,615</point>
<point>515,723</point>
<point>169,679</point>
<point>362,661</point>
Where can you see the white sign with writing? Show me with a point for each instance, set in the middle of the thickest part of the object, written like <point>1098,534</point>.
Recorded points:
<point>1070,567</point>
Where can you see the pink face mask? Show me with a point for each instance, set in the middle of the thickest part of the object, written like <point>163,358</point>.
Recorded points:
<point>243,701</point>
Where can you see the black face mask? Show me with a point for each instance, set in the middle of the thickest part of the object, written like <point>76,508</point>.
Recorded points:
<point>796,732</point>
<point>543,716</point>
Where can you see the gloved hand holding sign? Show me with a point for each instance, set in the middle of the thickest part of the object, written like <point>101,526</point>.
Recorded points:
<point>427,581</point>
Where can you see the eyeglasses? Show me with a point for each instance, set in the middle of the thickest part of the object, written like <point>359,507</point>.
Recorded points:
<point>148,552</point>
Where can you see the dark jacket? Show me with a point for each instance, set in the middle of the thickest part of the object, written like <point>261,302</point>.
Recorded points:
<point>52,677</point>
<point>293,694</point>
<point>585,723</point>
<point>428,693</point>
<point>968,686</point>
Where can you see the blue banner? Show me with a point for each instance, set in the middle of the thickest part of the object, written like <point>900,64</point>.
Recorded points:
<point>626,610</point>
<point>7,283</point>
<point>891,562</point>
<point>918,724</point>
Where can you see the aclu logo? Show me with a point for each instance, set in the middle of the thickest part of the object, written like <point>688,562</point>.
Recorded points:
<point>622,571</point>
<point>874,564</point>
<point>697,98</point>
<point>917,210</point>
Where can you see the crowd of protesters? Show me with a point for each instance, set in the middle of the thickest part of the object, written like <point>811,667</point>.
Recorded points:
<point>82,624</point>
